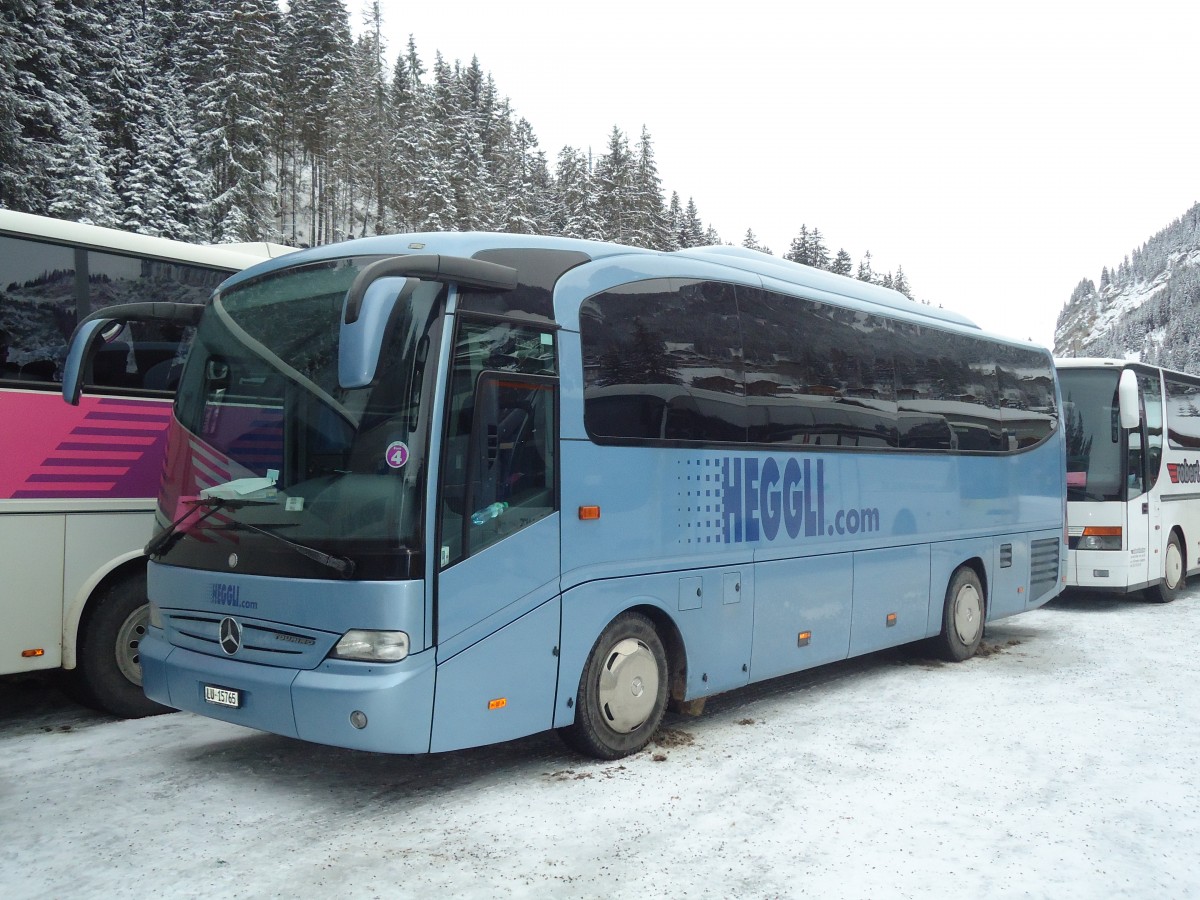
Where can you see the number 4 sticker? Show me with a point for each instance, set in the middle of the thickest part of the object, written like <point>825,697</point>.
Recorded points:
<point>397,454</point>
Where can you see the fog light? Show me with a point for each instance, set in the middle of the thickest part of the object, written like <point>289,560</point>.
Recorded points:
<point>358,719</point>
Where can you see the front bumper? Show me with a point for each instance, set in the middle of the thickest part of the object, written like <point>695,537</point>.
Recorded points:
<point>397,699</point>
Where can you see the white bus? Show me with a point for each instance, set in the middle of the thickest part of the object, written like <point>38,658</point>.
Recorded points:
<point>77,484</point>
<point>1133,476</point>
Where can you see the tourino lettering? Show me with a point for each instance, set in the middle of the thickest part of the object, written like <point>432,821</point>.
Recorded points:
<point>294,639</point>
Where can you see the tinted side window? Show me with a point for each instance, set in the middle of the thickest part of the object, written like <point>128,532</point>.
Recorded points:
<point>37,308</point>
<point>951,379</point>
<point>1027,408</point>
<point>671,360</point>
<point>922,420</point>
<point>816,374</point>
<point>147,355</point>
<point>1183,414</point>
<point>46,288</point>
<point>662,362</point>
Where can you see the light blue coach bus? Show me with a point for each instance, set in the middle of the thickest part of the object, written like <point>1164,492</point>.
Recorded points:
<point>433,491</point>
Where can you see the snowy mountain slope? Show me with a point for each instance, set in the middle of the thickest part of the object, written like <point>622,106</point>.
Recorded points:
<point>1148,308</point>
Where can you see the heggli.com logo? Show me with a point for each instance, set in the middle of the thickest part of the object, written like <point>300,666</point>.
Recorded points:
<point>735,500</point>
<point>1184,472</point>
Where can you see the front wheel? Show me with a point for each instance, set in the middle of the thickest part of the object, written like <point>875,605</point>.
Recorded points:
<point>1174,577</point>
<point>623,690</point>
<point>108,671</point>
<point>962,617</point>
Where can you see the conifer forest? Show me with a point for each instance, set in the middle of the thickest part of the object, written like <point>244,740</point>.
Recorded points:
<point>214,121</point>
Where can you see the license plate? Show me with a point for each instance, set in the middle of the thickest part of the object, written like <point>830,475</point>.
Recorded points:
<point>222,696</point>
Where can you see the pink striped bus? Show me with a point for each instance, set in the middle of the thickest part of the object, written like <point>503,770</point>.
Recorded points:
<point>77,484</point>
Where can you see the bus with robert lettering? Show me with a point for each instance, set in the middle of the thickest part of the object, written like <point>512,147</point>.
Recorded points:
<point>77,484</point>
<point>432,491</point>
<point>1133,476</point>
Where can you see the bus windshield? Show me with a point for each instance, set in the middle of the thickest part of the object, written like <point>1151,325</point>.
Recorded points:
<point>1094,458</point>
<point>300,467</point>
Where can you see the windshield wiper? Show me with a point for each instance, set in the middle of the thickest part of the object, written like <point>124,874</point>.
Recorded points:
<point>169,536</point>
<point>340,564</point>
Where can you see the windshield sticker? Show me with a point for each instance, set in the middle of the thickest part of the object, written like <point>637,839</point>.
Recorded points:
<point>397,454</point>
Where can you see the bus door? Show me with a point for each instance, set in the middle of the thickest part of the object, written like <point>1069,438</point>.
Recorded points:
<point>1140,517</point>
<point>1150,390</point>
<point>497,609</point>
<point>1137,512</point>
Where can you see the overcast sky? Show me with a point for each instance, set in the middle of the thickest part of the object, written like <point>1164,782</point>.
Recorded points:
<point>999,152</point>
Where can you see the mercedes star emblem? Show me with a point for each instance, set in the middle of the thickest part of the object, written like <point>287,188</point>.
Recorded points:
<point>231,636</point>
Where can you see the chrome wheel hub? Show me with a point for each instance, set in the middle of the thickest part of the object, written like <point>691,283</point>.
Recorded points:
<point>968,614</point>
<point>628,685</point>
<point>1173,566</point>
<point>129,639</point>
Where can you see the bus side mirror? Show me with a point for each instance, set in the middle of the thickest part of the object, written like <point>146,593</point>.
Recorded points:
<point>87,340</point>
<point>1129,400</point>
<point>369,304</point>
<point>359,341</point>
<point>104,325</point>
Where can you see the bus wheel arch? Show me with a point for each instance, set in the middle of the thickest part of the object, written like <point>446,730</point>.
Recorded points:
<point>107,673</point>
<point>964,612</point>
<point>623,689</point>
<point>672,640</point>
<point>1174,575</point>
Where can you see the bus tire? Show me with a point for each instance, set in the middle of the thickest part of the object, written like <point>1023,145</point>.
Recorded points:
<point>962,617</point>
<point>622,692</point>
<point>1174,572</point>
<point>108,673</point>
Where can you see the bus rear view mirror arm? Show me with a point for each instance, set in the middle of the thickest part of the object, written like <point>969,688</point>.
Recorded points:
<point>150,311</point>
<point>379,287</point>
<point>474,273</point>
<point>104,325</point>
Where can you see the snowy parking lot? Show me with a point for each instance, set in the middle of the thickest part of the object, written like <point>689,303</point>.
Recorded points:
<point>1062,762</point>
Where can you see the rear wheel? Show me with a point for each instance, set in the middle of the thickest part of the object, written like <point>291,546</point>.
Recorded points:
<point>108,671</point>
<point>623,691</point>
<point>962,617</point>
<point>1174,577</point>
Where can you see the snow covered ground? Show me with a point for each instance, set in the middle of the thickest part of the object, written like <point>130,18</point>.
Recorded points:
<point>1062,763</point>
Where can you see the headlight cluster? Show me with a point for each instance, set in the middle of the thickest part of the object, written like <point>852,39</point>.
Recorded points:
<point>372,646</point>
<point>1100,539</point>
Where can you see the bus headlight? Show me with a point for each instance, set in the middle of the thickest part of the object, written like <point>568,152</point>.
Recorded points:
<point>1100,538</point>
<point>372,646</point>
